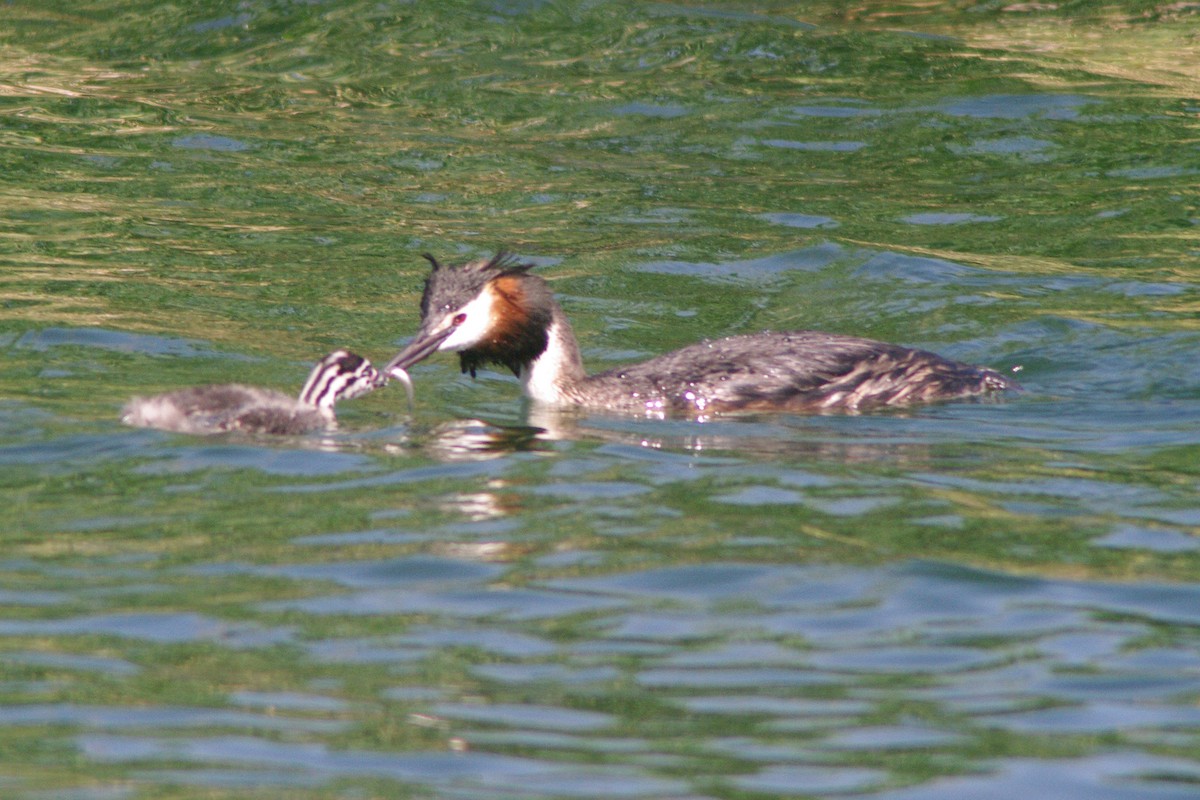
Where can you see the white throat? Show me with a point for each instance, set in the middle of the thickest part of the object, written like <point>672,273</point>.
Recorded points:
<point>550,376</point>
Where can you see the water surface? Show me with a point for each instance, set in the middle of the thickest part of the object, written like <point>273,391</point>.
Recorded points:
<point>487,600</point>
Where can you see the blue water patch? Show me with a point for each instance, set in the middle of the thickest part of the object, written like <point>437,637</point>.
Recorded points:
<point>810,780</point>
<point>735,653</point>
<point>361,651</point>
<point>1152,173</point>
<point>120,341</point>
<point>536,260</point>
<point>919,269</point>
<point>841,111</point>
<point>774,706</point>
<point>411,571</point>
<point>524,672</point>
<point>162,627</point>
<point>891,737</point>
<point>26,597</point>
<point>1098,682</point>
<point>461,470</point>
<point>1084,648</point>
<point>270,460</point>
<point>292,701</point>
<point>831,147</point>
<point>1118,774</point>
<point>1135,537</point>
<point>590,490</point>
<point>808,259</point>
<point>526,716</point>
<point>885,660</point>
<point>707,583</point>
<point>505,643</point>
<point>434,768</point>
<point>516,604</point>
<point>208,141</point>
<point>124,717</point>
<point>73,662</point>
<point>73,452</point>
<point>800,220</point>
<point>946,218</point>
<point>737,679</point>
<point>376,536</point>
<point>650,110</point>
<point>1016,106</point>
<point>851,506</point>
<point>1096,718</point>
<point>760,496</point>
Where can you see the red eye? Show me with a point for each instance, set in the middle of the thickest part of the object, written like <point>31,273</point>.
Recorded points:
<point>459,319</point>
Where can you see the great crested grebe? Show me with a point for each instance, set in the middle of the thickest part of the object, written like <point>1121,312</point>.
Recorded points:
<point>493,311</point>
<point>234,407</point>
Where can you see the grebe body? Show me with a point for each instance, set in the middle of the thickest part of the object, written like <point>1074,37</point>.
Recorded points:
<point>493,311</point>
<point>233,407</point>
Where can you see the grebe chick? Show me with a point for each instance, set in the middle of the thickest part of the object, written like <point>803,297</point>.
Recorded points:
<point>493,311</point>
<point>233,407</point>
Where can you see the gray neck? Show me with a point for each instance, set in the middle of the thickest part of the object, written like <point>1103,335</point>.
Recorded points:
<point>550,376</point>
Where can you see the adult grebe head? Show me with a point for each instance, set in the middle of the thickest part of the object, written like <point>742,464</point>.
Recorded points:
<point>488,311</point>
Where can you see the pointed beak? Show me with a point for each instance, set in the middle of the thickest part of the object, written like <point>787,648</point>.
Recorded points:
<point>423,345</point>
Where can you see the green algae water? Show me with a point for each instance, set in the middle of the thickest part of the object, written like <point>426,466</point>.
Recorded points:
<point>484,600</point>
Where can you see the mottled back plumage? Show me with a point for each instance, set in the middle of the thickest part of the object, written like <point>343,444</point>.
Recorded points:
<point>794,370</point>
